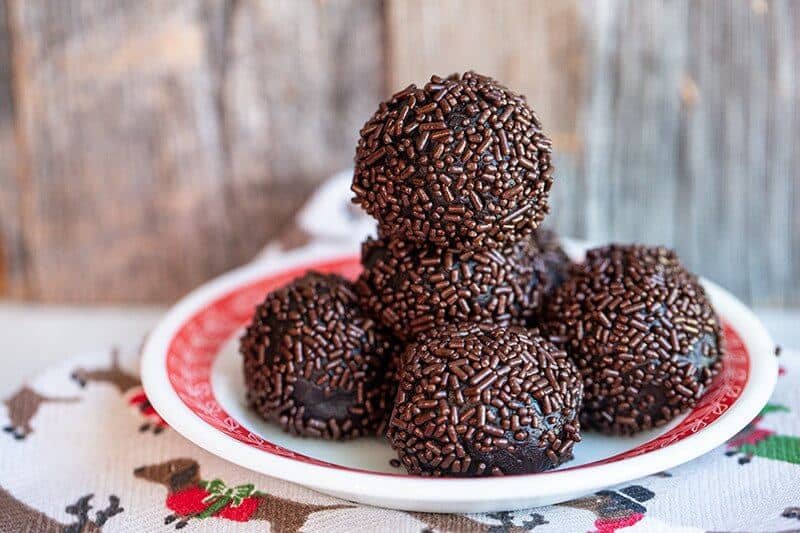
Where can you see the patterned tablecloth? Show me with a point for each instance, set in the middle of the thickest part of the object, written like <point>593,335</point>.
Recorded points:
<point>82,450</point>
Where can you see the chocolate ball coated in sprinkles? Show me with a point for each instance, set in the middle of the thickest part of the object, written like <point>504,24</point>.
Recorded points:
<point>412,289</point>
<point>641,331</point>
<point>481,400</point>
<point>316,364</point>
<point>461,163</point>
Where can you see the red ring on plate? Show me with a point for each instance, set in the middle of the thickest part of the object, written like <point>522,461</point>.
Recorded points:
<point>197,342</point>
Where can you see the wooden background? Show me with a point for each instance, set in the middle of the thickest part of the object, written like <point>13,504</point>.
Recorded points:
<point>147,145</point>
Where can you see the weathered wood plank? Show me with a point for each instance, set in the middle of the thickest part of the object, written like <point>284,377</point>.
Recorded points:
<point>779,239</point>
<point>631,119</point>
<point>147,145</point>
<point>684,115</point>
<point>11,252</point>
<point>300,79</point>
<point>168,140</point>
<point>741,150</point>
<point>122,160</point>
<point>692,137</point>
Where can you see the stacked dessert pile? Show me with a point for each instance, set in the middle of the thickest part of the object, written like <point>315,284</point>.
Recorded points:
<point>469,339</point>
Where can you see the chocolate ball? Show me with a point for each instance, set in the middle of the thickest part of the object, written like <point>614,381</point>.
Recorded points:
<point>412,289</point>
<point>641,331</point>
<point>480,400</point>
<point>462,163</point>
<point>316,364</point>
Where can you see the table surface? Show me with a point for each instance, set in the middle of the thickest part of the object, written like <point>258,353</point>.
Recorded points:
<point>33,337</point>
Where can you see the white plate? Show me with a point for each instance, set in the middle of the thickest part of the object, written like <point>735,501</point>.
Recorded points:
<point>192,376</point>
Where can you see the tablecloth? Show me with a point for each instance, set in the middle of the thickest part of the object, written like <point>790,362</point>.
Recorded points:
<point>83,450</point>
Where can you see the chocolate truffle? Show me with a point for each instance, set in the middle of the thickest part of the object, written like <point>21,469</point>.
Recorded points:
<point>461,163</point>
<point>480,399</point>
<point>315,364</point>
<point>412,289</point>
<point>641,331</point>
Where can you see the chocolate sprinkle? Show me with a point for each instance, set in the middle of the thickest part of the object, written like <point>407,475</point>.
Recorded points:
<point>315,364</point>
<point>462,163</point>
<point>481,400</point>
<point>641,331</point>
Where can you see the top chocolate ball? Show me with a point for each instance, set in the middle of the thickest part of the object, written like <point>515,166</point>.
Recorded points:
<point>461,163</point>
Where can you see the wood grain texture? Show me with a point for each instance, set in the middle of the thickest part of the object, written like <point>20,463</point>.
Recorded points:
<point>298,82</point>
<point>166,141</point>
<point>692,137</point>
<point>147,145</point>
<point>753,58</point>
<point>673,122</point>
<point>9,216</point>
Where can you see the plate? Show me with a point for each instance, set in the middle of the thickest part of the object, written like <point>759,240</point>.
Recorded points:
<point>191,372</point>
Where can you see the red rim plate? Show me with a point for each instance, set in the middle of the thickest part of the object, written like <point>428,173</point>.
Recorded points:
<point>199,339</point>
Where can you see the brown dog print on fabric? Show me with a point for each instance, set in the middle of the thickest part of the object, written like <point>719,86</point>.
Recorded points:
<point>113,375</point>
<point>129,385</point>
<point>191,498</point>
<point>458,523</point>
<point>18,516</point>
<point>791,512</point>
<point>22,406</point>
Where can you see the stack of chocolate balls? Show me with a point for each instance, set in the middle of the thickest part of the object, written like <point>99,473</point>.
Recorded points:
<point>470,341</point>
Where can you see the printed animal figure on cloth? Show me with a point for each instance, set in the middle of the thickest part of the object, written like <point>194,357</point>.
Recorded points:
<point>22,406</point>
<point>791,512</point>
<point>458,523</point>
<point>18,516</point>
<point>129,385</point>
<point>614,509</point>
<point>191,498</point>
<point>756,441</point>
